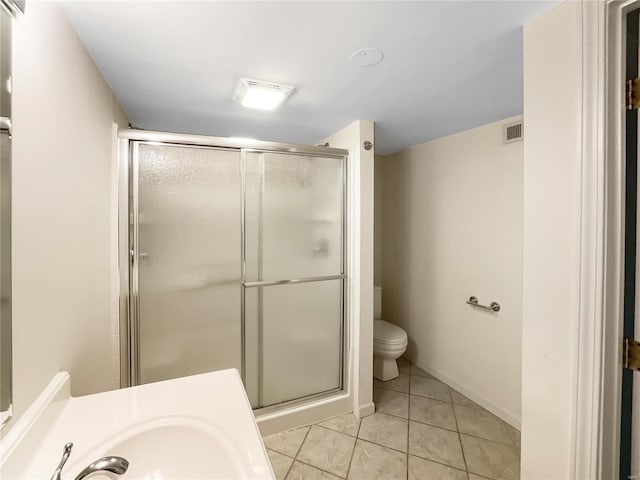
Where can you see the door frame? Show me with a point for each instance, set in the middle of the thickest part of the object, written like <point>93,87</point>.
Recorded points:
<point>596,401</point>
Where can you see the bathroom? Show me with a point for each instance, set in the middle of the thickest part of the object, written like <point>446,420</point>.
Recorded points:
<point>399,283</point>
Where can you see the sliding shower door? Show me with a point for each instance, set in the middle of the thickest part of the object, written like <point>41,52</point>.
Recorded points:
<point>236,260</point>
<point>294,274</point>
<point>186,260</point>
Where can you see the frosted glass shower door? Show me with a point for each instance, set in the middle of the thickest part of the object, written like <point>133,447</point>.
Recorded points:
<point>294,275</point>
<point>188,229</point>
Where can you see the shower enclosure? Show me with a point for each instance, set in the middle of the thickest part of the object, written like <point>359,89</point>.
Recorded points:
<point>235,258</point>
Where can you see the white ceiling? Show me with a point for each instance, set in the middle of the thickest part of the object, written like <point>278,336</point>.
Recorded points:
<point>448,66</point>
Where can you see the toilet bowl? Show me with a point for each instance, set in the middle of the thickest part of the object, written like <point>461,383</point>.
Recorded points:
<point>389,343</point>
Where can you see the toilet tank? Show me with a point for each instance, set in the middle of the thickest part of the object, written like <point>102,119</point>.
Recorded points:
<point>377,303</point>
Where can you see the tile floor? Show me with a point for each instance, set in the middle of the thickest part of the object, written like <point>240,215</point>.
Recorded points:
<point>422,430</point>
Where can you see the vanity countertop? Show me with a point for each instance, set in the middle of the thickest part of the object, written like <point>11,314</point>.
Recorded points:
<point>200,426</point>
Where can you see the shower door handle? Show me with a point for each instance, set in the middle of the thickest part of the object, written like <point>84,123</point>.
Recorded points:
<point>5,125</point>
<point>132,255</point>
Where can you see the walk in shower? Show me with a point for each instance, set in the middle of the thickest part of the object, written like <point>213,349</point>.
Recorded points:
<point>235,258</point>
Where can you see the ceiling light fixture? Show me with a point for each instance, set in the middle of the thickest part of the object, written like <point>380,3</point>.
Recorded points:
<point>261,95</point>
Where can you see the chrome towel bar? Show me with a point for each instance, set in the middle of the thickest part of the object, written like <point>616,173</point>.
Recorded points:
<point>493,306</point>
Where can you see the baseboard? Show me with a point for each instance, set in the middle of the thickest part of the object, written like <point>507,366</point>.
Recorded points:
<point>498,411</point>
<point>365,410</point>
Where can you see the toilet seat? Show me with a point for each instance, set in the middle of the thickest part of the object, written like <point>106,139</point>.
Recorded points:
<point>385,333</point>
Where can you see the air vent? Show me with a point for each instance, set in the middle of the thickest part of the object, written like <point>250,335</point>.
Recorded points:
<point>512,132</point>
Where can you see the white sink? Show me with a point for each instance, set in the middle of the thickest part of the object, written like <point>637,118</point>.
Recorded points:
<point>193,427</point>
<point>175,447</point>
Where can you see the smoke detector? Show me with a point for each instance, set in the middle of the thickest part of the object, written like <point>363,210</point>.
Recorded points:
<point>366,57</point>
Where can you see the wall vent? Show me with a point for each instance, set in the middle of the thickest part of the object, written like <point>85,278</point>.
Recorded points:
<point>512,132</point>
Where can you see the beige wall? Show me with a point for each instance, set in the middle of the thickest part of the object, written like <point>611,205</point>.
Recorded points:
<point>452,221</point>
<point>63,113</point>
<point>552,107</point>
<point>377,218</point>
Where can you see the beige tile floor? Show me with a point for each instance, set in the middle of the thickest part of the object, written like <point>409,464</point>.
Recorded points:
<point>422,430</point>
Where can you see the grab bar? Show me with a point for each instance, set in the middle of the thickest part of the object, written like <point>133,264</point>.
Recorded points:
<point>493,306</point>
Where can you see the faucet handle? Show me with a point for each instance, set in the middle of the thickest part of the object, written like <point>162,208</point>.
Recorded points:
<point>66,452</point>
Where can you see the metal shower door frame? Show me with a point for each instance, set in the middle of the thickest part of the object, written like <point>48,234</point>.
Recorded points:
<point>128,261</point>
<point>324,152</point>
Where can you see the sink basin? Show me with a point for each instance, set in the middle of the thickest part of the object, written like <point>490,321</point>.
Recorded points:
<point>193,427</point>
<point>175,447</point>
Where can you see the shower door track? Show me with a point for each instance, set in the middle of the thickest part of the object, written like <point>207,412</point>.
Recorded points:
<point>128,252</point>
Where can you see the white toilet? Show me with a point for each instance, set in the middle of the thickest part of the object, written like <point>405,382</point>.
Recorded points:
<point>389,342</point>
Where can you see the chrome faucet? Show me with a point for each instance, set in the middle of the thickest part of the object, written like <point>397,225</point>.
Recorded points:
<point>115,465</point>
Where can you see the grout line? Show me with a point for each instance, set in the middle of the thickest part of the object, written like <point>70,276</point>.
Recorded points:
<point>488,440</point>
<point>293,460</point>
<point>354,446</point>
<point>335,431</point>
<point>408,420</point>
<point>455,418</point>
<point>431,398</point>
<point>464,457</point>
<point>455,431</point>
<point>332,431</point>
<point>391,390</point>
<point>318,468</point>
<point>510,444</point>
<point>425,423</point>
<point>439,426</point>
<point>453,405</point>
<point>379,444</point>
<point>392,415</point>
<point>302,442</point>
<point>383,386</point>
<point>438,463</point>
<point>383,446</point>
